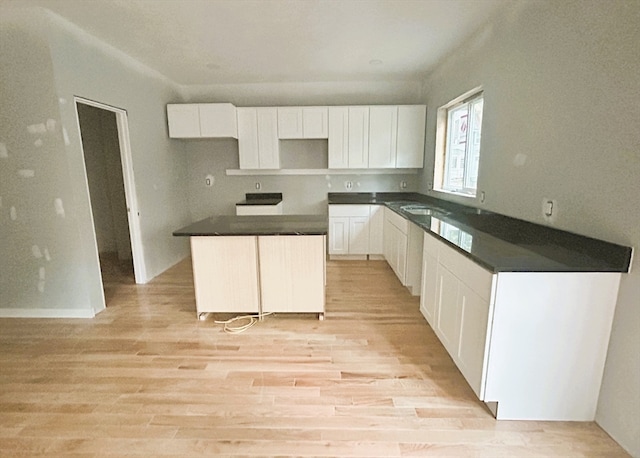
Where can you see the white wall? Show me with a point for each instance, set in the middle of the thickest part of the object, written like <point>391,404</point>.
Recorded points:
<point>561,111</point>
<point>44,63</point>
<point>301,194</point>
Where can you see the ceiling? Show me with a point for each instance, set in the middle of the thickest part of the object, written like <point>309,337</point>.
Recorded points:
<point>202,42</point>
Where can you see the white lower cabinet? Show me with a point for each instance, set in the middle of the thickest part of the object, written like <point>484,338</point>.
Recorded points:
<point>530,344</point>
<point>355,230</point>
<point>402,248</point>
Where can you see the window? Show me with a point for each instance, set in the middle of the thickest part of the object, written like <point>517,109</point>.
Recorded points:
<point>458,144</point>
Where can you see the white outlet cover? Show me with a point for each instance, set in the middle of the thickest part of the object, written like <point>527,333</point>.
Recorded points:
<point>209,180</point>
<point>549,205</point>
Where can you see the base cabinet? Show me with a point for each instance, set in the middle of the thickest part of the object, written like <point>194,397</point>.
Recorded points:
<point>265,273</point>
<point>355,230</point>
<point>402,248</point>
<point>533,344</point>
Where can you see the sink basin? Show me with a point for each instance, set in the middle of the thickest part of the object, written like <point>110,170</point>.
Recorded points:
<point>420,210</point>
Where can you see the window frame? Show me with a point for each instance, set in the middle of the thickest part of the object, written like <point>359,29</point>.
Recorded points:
<point>442,141</point>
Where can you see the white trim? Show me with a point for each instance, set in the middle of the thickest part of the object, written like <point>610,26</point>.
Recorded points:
<point>133,214</point>
<point>46,313</point>
<point>242,172</point>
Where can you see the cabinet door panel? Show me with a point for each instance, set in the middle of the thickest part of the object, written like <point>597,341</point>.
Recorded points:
<point>268,146</point>
<point>401,256</point>
<point>183,120</point>
<point>315,122</point>
<point>359,235</point>
<point>225,274</point>
<point>376,229</point>
<point>338,137</point>
<point>339,235</point>
<point>290,122</point>
<point>383,127</point>
<point>218,120</point>
<point>411,132</point>
<point>474,316</point>
<point>447,313</point>
<point>248,138</point>
<point>292,273</point>
<point>429,288</point>
<point>358,137</point>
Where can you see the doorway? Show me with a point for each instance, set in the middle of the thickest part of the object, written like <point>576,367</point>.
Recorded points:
<point>107,159</point>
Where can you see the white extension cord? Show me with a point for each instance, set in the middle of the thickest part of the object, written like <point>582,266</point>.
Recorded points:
<point>237,329</point>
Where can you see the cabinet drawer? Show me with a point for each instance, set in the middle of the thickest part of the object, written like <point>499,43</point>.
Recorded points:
<point>475,277</point>
<point>348,210</point>
<point>431,245</point>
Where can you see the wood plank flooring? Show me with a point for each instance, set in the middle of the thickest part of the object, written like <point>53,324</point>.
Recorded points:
<point>145,378</point>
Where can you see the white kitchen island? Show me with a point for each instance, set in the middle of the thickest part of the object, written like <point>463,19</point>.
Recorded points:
<point>259,264</point>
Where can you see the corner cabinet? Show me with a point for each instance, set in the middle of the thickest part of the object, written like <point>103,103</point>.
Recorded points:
<point>518,337</point>
<point>258,145</point>
<point>202,120</point>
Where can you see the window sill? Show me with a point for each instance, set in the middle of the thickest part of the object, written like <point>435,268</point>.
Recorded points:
<point>456,193</point>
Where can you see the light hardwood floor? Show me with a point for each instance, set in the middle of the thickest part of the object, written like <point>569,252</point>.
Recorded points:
<point>145,378</point>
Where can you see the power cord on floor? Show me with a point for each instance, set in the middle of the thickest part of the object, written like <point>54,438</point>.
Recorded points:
<point>237,329</point>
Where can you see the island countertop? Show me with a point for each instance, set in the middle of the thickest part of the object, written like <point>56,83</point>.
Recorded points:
<point>231,225</point>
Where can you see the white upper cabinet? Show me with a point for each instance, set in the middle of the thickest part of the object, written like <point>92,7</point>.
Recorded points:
<point>348,137</point>
<point>338,137</point>
<point>383,133</point>
<point>358,142</point>
<point>303,122</point>
<point>315,122</point>
<point>258,138</point>
<point>218,120</point>
<point>410,139</point>
<point>202,120</point>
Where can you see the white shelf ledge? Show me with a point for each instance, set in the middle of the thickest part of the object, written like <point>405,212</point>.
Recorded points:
<point>246,172</point>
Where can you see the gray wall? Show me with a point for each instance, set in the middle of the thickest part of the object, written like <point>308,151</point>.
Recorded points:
<point>50,264</point>
<point>561,115</point>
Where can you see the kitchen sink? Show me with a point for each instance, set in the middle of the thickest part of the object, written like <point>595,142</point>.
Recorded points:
<point>420,210</point>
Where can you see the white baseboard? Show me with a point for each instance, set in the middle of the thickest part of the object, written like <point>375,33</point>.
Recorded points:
<point>46,313</point>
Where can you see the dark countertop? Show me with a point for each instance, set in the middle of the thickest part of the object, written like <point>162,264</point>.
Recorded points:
<point>500,243</point>
<point>232,225</point>
<point>264,198</point>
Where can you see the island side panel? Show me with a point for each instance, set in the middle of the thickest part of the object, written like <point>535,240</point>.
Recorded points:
<point>225,274</point>
<point>292,273</point>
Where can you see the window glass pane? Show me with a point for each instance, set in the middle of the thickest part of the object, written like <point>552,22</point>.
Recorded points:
<point>473,149</point>
<point>457,124</point>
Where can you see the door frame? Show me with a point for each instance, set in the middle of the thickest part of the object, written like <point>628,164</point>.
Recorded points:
<point>133,213</point>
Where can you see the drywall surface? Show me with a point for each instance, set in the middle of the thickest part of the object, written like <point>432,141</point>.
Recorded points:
<point>41,269</point>
<point>50,259</point>
<point>561,104</point>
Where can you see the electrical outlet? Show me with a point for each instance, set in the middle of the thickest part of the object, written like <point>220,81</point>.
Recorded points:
<point>403,185</point>
<point>209,180</point>
<point>549,209</point>
<point>258,185</point>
